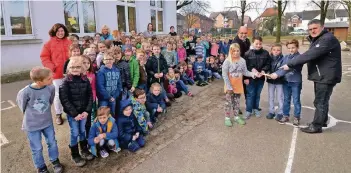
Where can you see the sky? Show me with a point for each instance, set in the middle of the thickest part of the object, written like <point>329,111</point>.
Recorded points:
<point>219,5</point>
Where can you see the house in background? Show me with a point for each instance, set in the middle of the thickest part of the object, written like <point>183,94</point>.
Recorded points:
<point>294,19</point>
<point>181,24</point>
<point>268,13</point>
<point>25,24</point>
<point>199,23</point>
<point>225,19</point>
<point>339,29</point>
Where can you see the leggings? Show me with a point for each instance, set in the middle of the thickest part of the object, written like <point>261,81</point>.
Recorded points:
<point>232,102</point>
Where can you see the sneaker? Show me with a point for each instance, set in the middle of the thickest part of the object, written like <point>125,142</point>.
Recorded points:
<point>239,120</point>
<point>240,112</point>
<point>257,113</point>
<point>270,116</point>
<point>296,122</point>
<point>58,119</point>
<point>284,120</point>
<point>103,153</point>
<point>190,94</point>
<point>58,168</point>
<point>228,122</point>
<point>247,115</point>
<point>116,150</point>
<point>43,170</point>
<point>278,117</point>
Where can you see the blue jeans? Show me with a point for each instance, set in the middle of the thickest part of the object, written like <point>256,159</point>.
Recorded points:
<point>34,138</point>
<point>182,87</point>
<point>77,129</point>
<point>144,87</point>
<point>253,91</point>
<point>201,76</point>
<point>133,146</point>
<point>216,75</point>
<point>187,79</point>
<point>111,105</point>
<point>292,89</point>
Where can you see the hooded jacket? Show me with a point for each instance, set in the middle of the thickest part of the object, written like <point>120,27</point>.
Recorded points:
<point>244,45</point>
<point>276,62</point>
<point>153,101</point>
<point>108,83</point>
<point>127,126</point>
<point>134,70</point>
<point>141,114</point>
<point>110,128</point>
<point>323,57</point>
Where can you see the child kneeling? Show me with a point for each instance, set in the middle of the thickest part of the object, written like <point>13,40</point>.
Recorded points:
<point>103,133</point>
<point>130,132</point>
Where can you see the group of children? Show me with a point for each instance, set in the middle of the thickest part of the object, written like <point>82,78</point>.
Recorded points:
<point>113,93</point>
<point>256,67</point>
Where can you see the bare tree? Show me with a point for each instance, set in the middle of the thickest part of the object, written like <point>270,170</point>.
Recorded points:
<point>281,6</point>
<point>200,3</point>
<point>192,12</point>
<point>323,5</point>
<point>244,7</point>
<point>347,6</point>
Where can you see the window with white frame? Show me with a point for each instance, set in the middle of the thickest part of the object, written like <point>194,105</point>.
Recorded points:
<point>79,16</point>
<point>126,15</point>
<point>157,15</point>
<point>16,18</point>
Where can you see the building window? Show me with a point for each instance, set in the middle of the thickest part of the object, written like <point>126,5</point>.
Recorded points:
<point>79,16</point>
<point>157,15</point>
<point>126,15</point>
<point>16,18</point>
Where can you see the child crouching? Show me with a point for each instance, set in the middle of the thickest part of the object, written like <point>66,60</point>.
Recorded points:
<point>129,131</point>
<point>139,110</point>
<point>103,133</point>
<point>154,102</point>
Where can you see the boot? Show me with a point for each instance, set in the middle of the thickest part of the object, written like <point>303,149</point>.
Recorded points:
<point>58,168</point>
<point>59,120</point>
<point>85,153</point>
<point>43,170</point>
<point>78,161</point>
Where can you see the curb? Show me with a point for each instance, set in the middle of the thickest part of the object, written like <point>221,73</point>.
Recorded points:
<point>14,77</point>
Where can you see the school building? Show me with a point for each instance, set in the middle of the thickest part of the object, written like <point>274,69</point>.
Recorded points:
<point>25,24</point>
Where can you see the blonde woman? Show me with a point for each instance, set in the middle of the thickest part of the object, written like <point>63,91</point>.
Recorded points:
<point>233,70</point>
<point>105,33</point>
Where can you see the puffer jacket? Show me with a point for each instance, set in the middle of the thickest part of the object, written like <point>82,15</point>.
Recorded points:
<point>124,69</point>
<point>156,65</point>
<point>323,57</point>
<point>76,95</point>
<point>258,59</point>
<point>276,63</point>
<point>54,54</point>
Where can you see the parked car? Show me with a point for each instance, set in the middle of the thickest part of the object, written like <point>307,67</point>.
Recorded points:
<point>299,32</point>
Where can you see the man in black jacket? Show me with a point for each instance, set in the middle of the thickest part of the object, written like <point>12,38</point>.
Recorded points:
<point>324,69</point>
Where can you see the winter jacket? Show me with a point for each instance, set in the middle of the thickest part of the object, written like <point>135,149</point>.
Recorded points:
<point>108,82</point>
<point>109,128</point>
<point>134,70</point>
<point>190,47</point>
<point>128,126</point>
<point>76,95</point>
<point>213,67</point>
<point>108,36</point>
<point>244,45</point>
<point>323,58</point>
<point>258,59</point>
<point>199,66</point>
<point>294,74</point>
<point>153,101</point>
<point>141,114</point>
<point>181,54</point>
<point>276,62</point>
<point>156,65</point>
<point>124,69</point>
<point>143,75</point>
<point>54,54</point>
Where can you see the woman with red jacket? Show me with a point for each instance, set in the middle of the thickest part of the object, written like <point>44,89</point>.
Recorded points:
<point>53,56</point>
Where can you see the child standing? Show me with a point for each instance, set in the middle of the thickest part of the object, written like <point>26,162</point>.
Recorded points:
<point>154,102</point>
<point>102,49</point>
<point>169,55</point>
<point>175,53</point>
<point>134,69</point>
<point>139,110</point>
<point>109,84</point>
<point>214,48</point>
<point>143,75</point>
<point>124,69</point>
<point>103,134</point>
<point>199,48</point>
<point>292,86</point>
<point>129,131</point>
<point>275,86</point>
<point>156,66</point>
<point>257,60</point>
<point>77,99</point>
<point>35,102</point>
<point>73,51</point>
<point>234,68</point>
<point>181,52</point>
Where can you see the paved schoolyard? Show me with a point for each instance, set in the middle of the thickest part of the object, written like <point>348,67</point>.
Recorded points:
<point>193,138</point>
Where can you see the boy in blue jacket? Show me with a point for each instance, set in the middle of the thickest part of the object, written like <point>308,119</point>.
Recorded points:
<point>293,84</point>
<point>103,133</point>
<point>200,71</point>
<point>129,132</point>
<point>109,84</point>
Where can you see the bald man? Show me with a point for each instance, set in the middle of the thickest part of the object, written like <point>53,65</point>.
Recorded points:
<point>242,40</point>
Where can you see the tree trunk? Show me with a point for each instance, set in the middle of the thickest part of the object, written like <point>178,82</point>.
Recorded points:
<point>279,22</point>
<point>324,10</point>
<point>243,9</point>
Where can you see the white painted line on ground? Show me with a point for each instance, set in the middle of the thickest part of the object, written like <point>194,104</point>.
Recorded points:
<point>291,152</point>
<point>10,107</point>
<point>3,139</point>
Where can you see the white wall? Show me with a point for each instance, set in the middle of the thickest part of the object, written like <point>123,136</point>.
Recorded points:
<point>106,14</point>
<point>169,16</point>
<point>143,15</point>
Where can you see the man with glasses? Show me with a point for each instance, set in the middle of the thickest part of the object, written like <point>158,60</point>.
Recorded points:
<point>324,68</point>
<point>244,43</point>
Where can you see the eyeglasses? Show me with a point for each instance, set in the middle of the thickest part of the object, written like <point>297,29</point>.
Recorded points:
<point>76,67</point>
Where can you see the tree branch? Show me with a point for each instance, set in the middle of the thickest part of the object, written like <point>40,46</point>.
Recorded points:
<point>285,4</point>
<point>316,3</point>
<point>184,3</point>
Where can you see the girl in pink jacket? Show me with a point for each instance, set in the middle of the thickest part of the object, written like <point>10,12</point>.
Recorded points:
<point>181,52</point>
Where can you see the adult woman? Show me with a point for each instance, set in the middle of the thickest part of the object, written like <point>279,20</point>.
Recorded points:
<point>105,33</point>
<point>172,32</point>
<point>53,56</point>
<point>149,33</point>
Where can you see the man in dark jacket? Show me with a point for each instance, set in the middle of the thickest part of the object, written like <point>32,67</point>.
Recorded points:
<point>324,68</point>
